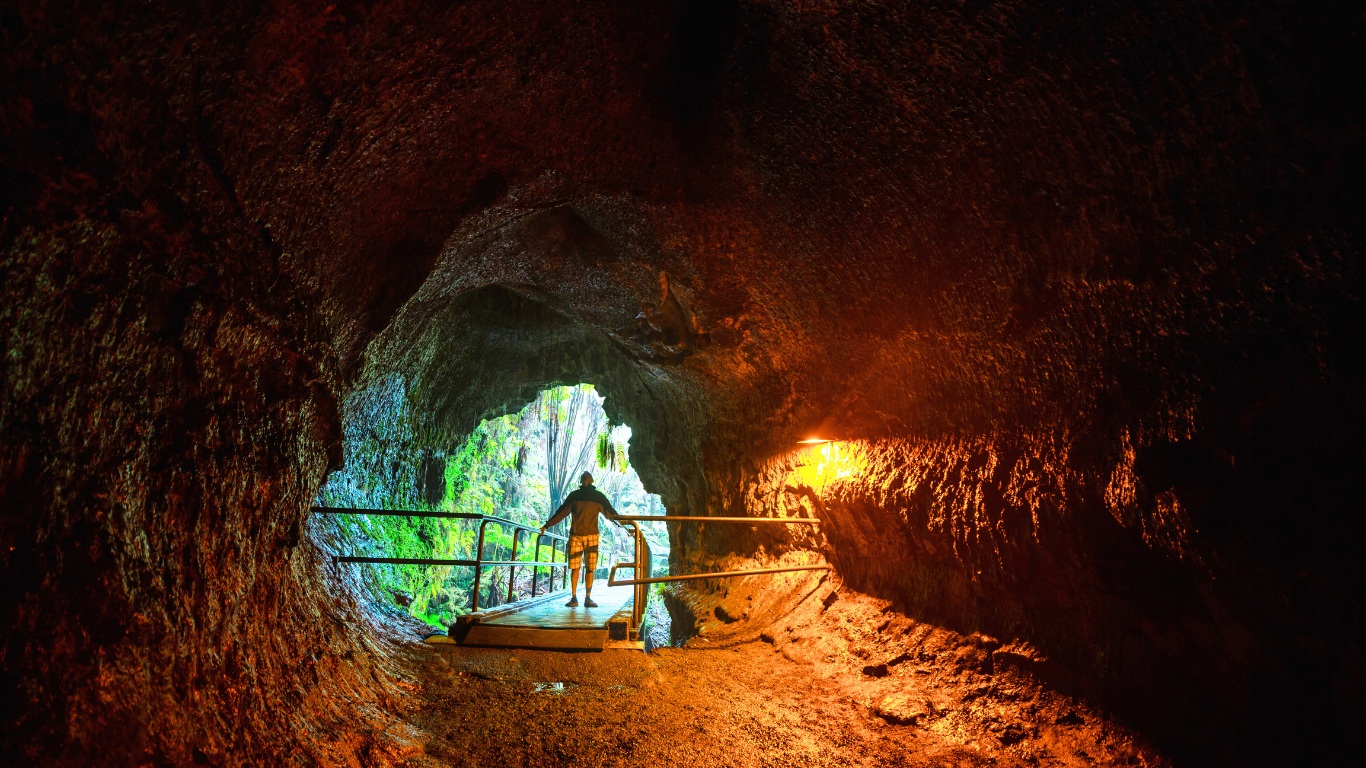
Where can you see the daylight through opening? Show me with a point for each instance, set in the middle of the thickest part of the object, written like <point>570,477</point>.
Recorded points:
<point>518,467</point>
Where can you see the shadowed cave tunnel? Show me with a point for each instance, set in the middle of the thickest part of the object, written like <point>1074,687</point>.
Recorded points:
<point>1075,287</point>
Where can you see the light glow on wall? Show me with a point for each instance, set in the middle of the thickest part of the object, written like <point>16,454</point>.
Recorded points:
<point>822,462</point>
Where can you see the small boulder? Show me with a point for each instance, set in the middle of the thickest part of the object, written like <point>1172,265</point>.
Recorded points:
<point>974,692</point>
<point>1018,654</point>
<point>972,657</point>
<point>903,709</point>
<point>1012,734</point>
<point>985,642</point>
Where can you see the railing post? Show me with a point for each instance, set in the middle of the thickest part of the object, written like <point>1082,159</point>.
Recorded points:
<point>536,569</point>
<point>642,590</point>
<point>512,569</point>
<point>564,575</point>
<point>478,565</point>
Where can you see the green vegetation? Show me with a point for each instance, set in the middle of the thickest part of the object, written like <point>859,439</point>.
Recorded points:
<point>518,467</point>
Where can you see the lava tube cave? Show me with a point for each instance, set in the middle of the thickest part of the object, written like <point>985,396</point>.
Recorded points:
<point>972,383</point>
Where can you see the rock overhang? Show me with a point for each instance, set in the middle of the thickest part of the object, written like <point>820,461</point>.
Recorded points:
<point>542,297</point>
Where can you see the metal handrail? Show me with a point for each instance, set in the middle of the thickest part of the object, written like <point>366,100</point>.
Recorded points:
<point>478,562</point>
<point>611,577</point>
<point>705,519</point>
<point>640,565</point>
<point>419,513</point>
<point>642,561</point>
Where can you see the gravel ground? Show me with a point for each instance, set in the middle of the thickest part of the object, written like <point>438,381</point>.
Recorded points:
<point>778,674</point>
<point>745,706</point>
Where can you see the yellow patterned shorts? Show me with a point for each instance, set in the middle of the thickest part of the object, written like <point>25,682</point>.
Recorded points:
<point>580,546</point>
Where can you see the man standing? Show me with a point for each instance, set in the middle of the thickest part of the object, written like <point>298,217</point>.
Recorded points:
<point>585,504</point>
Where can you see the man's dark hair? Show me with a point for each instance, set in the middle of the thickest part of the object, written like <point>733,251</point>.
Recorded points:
<point>586,478</point>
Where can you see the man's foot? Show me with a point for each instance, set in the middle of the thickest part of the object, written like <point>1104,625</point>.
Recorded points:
<point>588,602</point>
<point>574,602</point>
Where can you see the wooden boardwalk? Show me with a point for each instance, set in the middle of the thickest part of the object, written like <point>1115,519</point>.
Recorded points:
<point>546,622</point>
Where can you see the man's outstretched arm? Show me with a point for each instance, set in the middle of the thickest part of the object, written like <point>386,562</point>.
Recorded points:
<point>559,515</point>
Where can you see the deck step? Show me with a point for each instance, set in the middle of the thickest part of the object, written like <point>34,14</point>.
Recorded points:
<point>619,626</point>
<point>543,622</point>
<point>493,635</point>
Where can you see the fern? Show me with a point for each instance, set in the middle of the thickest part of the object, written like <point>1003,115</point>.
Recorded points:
<point>607,452</point>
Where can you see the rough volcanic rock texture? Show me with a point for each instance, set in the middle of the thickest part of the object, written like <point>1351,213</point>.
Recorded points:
<point>975,692</point>
<point>1082,279</point>
<point>160,607</point>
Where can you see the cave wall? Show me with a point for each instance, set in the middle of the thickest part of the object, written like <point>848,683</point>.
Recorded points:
<point>162,439</point>
<point>1082,281</point>
<point>1210,636</point>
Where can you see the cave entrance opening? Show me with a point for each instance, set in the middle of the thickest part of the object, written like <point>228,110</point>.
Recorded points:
<point>518,467</point>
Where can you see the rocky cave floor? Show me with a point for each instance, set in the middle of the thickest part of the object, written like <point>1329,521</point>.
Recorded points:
<point>793,697</point>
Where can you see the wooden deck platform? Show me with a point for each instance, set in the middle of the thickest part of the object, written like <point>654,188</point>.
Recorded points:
<point>546,622</point>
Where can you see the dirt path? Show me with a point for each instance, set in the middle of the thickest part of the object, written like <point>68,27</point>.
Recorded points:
<point>810,678</point>
<point>745,706</point>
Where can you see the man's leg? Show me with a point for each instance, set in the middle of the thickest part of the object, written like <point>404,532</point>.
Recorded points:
<point>590,557</point>
<point>575,558</point>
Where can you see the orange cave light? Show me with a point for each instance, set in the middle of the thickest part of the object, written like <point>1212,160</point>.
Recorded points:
<point>822,461</point>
